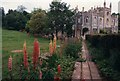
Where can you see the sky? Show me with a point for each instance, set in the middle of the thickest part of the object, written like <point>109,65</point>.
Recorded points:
<point>44,4</point>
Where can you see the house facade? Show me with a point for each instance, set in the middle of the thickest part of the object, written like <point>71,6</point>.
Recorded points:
<point>96,20</point>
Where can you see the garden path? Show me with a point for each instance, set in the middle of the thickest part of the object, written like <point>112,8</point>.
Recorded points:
<point>85,71</point>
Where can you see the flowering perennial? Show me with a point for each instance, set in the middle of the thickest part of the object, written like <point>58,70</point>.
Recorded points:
<point>40,74</point>
<point>59,69</point>
<point>10,63</point>
<point>25,55</point>
<point>54,44</point>
<point>51,48</point>
<point>36,53</point>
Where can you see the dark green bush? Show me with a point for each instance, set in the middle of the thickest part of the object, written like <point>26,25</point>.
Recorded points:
<point>114,59</point>
<point>106,41</point>
<point>52,61</point>
<point>72,49</point>
<point>105,51</point>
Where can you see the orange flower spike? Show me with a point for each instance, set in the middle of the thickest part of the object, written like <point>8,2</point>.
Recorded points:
<point>10,63</point>
<point>25,55</point>
<point>54,43</point>
<point>36,53</point>
<point>59,69</point>
<point>51,48</point>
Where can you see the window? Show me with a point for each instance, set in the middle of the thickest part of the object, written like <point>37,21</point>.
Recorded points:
<point>87,20</point>
<point>112,20</point>
<point>107,13</point>
<point>107,21</point>
<point>79,20</point>
<point>100,20</point>
<point>95,17</point>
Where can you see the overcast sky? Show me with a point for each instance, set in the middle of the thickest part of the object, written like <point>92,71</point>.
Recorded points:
<point>44,4</point>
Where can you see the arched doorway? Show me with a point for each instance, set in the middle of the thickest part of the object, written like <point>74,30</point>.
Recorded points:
<point>84,30</point>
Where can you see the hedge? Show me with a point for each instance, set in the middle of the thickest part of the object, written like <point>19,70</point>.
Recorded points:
<point>105,41</point>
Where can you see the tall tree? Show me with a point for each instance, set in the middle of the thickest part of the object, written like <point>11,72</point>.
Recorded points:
<point>2,15</point>
<point>21,8</point>
<point>15,20</point>
<point>60,17</point>
<point>37,21</point>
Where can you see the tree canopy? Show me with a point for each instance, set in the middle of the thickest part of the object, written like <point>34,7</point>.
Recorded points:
<point>37,22</point>
<point>60,17</point>
<point>14,19</point>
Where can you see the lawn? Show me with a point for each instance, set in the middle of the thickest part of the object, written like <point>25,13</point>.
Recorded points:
<point>13,40</point>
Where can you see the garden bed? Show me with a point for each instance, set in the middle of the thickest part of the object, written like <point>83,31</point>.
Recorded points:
<point>58,65</point>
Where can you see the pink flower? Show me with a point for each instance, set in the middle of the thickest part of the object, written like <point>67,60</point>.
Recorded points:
<point>10,63</point>
<point>40,74</point>
<point>25,55</point>
<point>59,69</point>
<point>36,53</point>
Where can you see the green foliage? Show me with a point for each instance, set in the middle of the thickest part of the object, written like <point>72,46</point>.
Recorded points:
<point>67,64</point>
<point>37,21</point>
<point>104,41</point>
<point>105,51</point>
<point>103,31</point>
<point>114,59</point>
<point>72,49</point>
<point>2,15</point>
<point>63,20</point>
<point>13,40</point>
<point>52,61</point>
<point>15,20</point>
<point>81,60</point>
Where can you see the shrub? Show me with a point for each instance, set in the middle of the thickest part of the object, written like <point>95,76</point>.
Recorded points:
<point>72,49</point>
<point>105,51</point>
<point>106,41</point>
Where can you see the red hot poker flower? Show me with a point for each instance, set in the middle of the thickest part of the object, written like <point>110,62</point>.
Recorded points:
<point>36,53</point>
<point>25,55</point>
<point>10,63</point>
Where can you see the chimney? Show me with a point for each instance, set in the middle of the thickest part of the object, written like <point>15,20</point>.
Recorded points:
<point>104,3</point>
<point>83,9</point>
